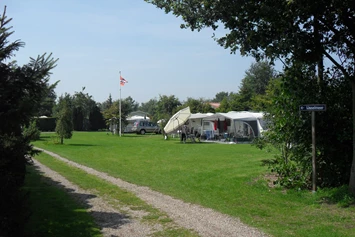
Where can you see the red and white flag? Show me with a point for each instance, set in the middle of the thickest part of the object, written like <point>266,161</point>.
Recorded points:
<point>123,81</point>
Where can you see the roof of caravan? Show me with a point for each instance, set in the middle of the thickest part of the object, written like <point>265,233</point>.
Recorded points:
<point>200,115</point>
<point>233,115</point>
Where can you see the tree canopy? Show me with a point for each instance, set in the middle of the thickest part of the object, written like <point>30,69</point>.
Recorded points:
<point>64,124</point>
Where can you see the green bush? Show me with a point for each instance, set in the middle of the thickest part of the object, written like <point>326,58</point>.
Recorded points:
<point>31,131</point>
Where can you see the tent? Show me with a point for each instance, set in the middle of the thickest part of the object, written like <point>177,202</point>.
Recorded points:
<point>239,124</point>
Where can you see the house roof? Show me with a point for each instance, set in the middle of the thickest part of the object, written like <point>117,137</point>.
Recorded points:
<point>215,105</point>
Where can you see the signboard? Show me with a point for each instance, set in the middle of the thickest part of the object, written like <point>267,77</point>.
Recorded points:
<point>313,107</point>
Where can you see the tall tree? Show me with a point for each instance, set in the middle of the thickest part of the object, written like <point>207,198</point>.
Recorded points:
<point>150,107</point>
<point>220,96</point>
<point>83,104</point>
<point>112,114</point>
<point>64,123</point>
<point>48,103</point>
<point>22,88</point>
<point>197,105</point>
<point>107,103</point>
<point>254,84</point>
<point>131,103</point>
<point>167,105</point>
<point>96,119</point>
<point>294,31</point>
<point>224,106</point>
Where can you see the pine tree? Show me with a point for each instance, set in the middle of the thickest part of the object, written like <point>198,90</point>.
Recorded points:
<point>64,127</point>
<point>22,88</point>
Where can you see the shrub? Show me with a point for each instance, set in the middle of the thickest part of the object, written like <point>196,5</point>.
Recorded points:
<point>31,131</point>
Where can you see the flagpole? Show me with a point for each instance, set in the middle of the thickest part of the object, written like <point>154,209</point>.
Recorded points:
<point>120,103</point>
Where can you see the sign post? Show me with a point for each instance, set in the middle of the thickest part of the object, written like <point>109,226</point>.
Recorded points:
<point>313,108</point>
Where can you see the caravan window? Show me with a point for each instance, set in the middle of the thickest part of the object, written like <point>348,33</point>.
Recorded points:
<point>263,124</point>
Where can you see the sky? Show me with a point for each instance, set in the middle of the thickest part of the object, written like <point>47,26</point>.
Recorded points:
<point>96,40</point>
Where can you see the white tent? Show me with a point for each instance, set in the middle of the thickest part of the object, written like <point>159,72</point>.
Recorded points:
<point>242,124</point>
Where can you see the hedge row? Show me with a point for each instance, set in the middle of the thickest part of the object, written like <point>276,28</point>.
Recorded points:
<point>46,124</point>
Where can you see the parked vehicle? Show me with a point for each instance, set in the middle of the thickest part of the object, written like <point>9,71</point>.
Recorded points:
<point>145,126</point>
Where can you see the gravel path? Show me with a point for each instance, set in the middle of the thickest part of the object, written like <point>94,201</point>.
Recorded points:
<point>112,222</point>
<point>204,221</point>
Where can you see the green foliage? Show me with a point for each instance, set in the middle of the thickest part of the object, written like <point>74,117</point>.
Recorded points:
<point>165,107</point>
<point>82,105</point>
<point>224,106</point>
<point>289,173</point>
<point>96,119</point>
<point>252,91</point>
<point>64,122</point>
<point>112,114</point>
<point>290,129</point>
<point>46,124</point>
<point>107,103</point>
<point>22,88</point>
<point>31,131</point>
<point>150,107</point>
<point>220,96</point>
<point>196,105</point>
<point>340,196</point>
<point>259,142</point>
<point>304,31</point>
<point>48,103</point>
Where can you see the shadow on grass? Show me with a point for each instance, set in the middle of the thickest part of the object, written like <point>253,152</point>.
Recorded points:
<point>82,145</point>
<point>194,143</point>
<point>44,137</point>
<point>110,220</point>
<point>54,214</point>
<point>340,196</point>
<point>268,162</point>
<point>140,135</point>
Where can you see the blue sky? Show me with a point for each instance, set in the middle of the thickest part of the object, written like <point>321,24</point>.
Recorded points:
<point>94,40</point>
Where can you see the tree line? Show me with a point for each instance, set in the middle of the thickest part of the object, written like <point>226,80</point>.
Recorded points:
<point>88,115</point>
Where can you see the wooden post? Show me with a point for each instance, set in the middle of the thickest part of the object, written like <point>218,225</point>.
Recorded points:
<point>314,170</point>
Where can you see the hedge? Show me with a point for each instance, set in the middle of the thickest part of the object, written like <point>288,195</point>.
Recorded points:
<point>46,124</point>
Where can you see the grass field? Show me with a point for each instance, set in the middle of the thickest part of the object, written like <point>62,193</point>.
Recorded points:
<point>227,178</point>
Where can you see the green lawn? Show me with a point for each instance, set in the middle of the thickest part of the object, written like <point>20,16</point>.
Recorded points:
<point>227,178</point>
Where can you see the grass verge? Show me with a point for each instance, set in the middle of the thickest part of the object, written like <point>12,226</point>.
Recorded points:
<point>53,211</point>
<point>115,196</point>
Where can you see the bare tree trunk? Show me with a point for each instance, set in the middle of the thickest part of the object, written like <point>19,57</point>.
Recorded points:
<point>352,171</point>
